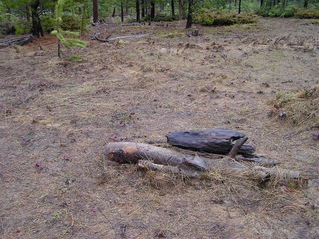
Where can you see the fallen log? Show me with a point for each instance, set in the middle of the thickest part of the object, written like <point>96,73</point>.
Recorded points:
<point>16,41</point>
<point>156,158</point>
<point>218,141</point>
<point>113,39</point>
<point>127,152</point>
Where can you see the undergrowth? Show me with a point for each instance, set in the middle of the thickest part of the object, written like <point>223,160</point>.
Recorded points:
<point>216,18</point>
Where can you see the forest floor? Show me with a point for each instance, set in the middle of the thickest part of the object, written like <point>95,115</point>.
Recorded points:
<point>57,116</point>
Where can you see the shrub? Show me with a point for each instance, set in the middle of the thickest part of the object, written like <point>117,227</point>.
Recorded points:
<point>71,22</point>
<point>48,23</point>
<point>22,27</point>
<point>211,18</point>
<point>307,13</point>
<point>161,18</point>
<point>277,11</point>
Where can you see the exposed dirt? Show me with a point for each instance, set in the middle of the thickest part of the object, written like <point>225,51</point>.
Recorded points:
<point>58,115</point>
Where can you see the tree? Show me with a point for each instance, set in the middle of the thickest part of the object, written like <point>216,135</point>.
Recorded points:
<point>190,14</point>
<point>95,11</point>
<point>137,8</point>
<point>37,29</point>
<point>60,33</point>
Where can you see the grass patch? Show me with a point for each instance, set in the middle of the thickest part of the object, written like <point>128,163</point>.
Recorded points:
<point>302,107</point>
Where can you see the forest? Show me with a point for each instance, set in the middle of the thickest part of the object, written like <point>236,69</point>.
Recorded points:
<point>38,16</point>
<point>159,119</point>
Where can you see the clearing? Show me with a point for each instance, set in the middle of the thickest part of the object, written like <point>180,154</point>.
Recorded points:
<point>57,116</point>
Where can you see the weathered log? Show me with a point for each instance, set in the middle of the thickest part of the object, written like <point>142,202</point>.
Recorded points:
<point>171,161</point>
<point>16,41</point>
<point>127,152</point>
<point>110,40</point>
<point>219,141</point>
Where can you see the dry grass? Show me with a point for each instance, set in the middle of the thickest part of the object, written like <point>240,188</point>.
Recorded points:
<point>57,116</point>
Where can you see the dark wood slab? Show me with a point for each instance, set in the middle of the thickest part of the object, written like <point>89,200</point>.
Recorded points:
<point>218,141</point>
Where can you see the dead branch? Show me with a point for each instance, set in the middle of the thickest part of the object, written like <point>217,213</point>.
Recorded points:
<point>95,37</point>
<point>234,151</point>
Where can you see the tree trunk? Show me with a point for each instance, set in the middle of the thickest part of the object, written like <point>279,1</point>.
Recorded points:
<point>27,9</point>
<point>95,11</point>
<point>138,17</point>
<point>36,22</point>
<point>113,14</point>
<point>305,4</point>
<point>143,8</point>
<point>152,10</point>
<point>261,3</point>
<point>190,14</point>
<point>181,9</point>
<point>122,12</point>
<point>126,8</point>
<point>173,8</point>
<point>239,6</point>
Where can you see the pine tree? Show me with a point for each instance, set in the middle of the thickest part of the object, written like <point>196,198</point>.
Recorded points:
<point>60,33</point>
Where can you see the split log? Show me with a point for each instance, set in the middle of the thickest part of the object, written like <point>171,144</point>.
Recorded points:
<point>218,141</point>
<point>156,158</point>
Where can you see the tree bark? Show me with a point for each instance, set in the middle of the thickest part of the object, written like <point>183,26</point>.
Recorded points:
<point>239,6</point>
<point>95,11</point>
<point>36,22</point>
<point>190,14</point>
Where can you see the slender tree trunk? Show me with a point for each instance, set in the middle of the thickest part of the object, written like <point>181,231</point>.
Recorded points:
<point>173,8</point>
<point>122,12</point>
<point>95,11</point>
<point>113,14</point>
<point>152,10</point>
<point>143,8</point>
<point>126,8</point>
<point>190,14</point>
<point>239,6</point>
<point>27,9</point>
<point>261,3</point>
<point>305,4</point>
<point>181,9</point>
<point>138,17</point>
<point>36,22</point>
